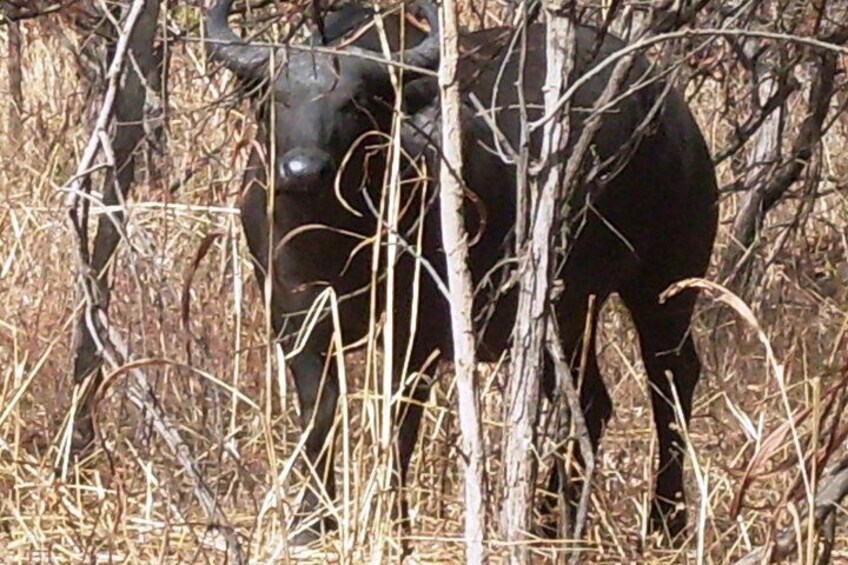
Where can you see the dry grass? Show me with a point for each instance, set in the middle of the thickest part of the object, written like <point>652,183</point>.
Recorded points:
<point>129,501</point>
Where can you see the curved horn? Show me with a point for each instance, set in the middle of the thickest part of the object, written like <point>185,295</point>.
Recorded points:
<point>426,53</point>
<point>247,62</point>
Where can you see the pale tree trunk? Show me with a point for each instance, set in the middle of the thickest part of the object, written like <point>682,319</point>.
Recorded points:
<point>777,172</point>
<point>535,260</point>
<point>762,158</point>
<point>126,129</point>
<point>15,73</point>
<point>455,241</point>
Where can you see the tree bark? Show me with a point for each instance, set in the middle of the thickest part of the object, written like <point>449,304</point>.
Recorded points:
<point>455,241</point>
<point>534,271</point>
<point>15,73</point>
<point>763,157</point>
<point>127,133</point>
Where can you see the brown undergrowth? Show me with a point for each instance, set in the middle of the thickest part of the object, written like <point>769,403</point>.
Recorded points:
<point>128,501</point>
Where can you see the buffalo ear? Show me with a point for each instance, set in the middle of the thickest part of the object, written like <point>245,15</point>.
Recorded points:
<point>421,109</point>
<point>422,124</point>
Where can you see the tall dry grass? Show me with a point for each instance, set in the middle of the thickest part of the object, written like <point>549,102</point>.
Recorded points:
<point>128,501</point>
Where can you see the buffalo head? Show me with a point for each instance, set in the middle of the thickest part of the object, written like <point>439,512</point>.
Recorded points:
<point>317,104</point>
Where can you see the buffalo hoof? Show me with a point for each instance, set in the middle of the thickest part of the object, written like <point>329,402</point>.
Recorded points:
<point>670,521</point>
<point>82,442</point>
<point>554,508</point>
<point>306,533</point>
<point>547,524</point>
<point>547,530</point>
<point>82,436</point>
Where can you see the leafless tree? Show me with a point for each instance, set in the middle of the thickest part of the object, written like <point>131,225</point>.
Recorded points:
<point>116,138</point>
<point>540,226</point>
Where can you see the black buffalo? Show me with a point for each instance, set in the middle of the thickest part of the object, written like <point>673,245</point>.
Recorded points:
<point>640,224</point>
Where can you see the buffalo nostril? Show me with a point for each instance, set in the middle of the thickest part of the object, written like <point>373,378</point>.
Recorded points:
<point>299,167</point>
<point>306,165</point>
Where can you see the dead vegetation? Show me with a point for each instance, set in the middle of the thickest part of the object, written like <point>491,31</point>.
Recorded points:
<point>217,381</point>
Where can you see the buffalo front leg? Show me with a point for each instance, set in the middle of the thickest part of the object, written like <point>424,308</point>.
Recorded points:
<point>317,388</point>
<point>315,380</point>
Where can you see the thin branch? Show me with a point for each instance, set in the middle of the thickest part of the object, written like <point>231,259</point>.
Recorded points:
<point>649,42</point>
<point>565,381</point>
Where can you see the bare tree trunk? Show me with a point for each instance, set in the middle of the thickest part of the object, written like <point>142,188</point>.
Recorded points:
<point>127,135</point>
<point>763,157</point>
<point>455,239</point>
<point>535,261</point>
<point>156,107</point>
<point>15,73</point>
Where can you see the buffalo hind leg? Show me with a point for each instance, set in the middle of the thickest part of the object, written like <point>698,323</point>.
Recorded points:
<point>409,416</point>
<point>670,360</point>
<point>416,391</point>
<point>595,403</point>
